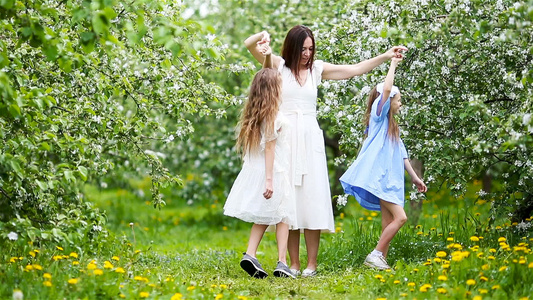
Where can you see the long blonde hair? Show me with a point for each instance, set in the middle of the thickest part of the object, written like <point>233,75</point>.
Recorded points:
<point>260,109</point>
<point>394,130</point>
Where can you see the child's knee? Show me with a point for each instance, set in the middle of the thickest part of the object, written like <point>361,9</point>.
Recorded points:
<point>402,219</point>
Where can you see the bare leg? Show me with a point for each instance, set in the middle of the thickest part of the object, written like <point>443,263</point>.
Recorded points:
<point>282,236</point>
<point>386,219</point>
<point>256,235</point>
<point>312,241</point>
<point>294,248</point>
<point>399,219</point>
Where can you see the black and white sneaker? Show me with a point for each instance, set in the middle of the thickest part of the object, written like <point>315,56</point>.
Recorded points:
<point>252,266</point>
<point>282,270</point>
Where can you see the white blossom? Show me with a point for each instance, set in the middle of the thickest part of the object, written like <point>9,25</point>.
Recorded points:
<point>13,236</point>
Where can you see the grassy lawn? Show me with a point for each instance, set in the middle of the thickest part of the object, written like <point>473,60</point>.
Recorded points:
<point>193,252</point>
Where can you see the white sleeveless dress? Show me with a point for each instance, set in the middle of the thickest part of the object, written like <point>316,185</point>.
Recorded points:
<point>308,165</point>
<point>246,201</point>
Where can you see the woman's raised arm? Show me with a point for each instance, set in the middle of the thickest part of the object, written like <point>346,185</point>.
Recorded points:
<point>255,43</point>
<point>339,72</point>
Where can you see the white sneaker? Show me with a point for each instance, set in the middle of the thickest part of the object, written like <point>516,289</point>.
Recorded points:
<point>376,262</point>
<point>309,273</point>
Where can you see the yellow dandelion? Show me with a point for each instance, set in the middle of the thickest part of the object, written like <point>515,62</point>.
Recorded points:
<point>120,270</point>
<point>57,257</point>
<point>108,265</point>
<point>378,276</point>
<point>470,282</point>
<point>446,266</point>
<point>442,277</point>
<point>503,268</point>
<point>73,281</point>
<point>530,266</point>
<point>242,298</point>
<point>137,251</point>
<point>28,267</point>
<point>396,281</point>
<point>424,288</point>
<point>403,295</point>
<point>37,267</point>
<point>115,258</point>
<point>474,238</point>
<point>47,276</point>
<point>441,254</point>
<point>152,285</point>
<point>522,261</point>
<point>122,296</point>
<point>480,255</point>
<point>342,216</point>
<point>411,284</point>
<point>91,266</point>
<point>75,263</point>
<point>144,294</point>
<point>32,253</point>
<point>59,248</point>
<point>483,291</point>
<point>219,296</point>
<point>502,239</point>
<point>47,283</point>
<point>224,228</point>
<point>223,286</point>
<point>437,260</point>
<point>369,218</point>
<point>483,278</point>
<point>190,288</point>
<point>73,254</point>
<point>36,250</point>
<point>524,298</point>
<point>496,287</point>
<point>449,239</point>
<point>442,291</point>
<point>451,233</point>
<point>138,278</point>
<point>98,272</point>
<point>176,296</point>
<point>477,297</point>
<point>490,257</point>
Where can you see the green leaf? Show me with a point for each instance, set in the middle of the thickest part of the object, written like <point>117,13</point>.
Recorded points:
<point>14,110</point>
<point>83,172</point>
<point>69,176</point>
<point>42,185</point>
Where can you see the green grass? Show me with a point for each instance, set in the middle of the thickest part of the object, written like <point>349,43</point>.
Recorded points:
<point>194,251</point>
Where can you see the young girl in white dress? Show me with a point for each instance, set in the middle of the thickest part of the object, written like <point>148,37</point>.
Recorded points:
<point>262,193</point>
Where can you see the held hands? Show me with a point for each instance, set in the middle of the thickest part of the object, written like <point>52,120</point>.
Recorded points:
<point>420,185</point>
<point>269,190</point>
<point>265,49</point>
<point>396,52</point>
<point>265,39</point>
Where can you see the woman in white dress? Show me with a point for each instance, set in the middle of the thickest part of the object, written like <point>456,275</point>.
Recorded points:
<point>301,75</point>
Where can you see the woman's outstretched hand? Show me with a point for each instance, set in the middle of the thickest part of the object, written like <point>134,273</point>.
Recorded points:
<point>396,51</point>
<point>420,185</point>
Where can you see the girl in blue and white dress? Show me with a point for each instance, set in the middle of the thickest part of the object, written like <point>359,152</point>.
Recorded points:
<point>376,178</point>
<point>262,193</point>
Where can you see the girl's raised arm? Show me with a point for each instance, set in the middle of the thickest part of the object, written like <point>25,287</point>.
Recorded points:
<point>389,80</point>
<point>254,44</point>
<point>340,72</point>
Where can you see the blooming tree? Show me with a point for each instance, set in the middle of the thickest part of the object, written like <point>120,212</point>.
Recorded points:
<point>466,88</point>
<point>93,90</point>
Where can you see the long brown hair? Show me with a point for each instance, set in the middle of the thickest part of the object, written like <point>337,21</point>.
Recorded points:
<point>260,109</point>
<point>291,51</point>
<point>394,130</point>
